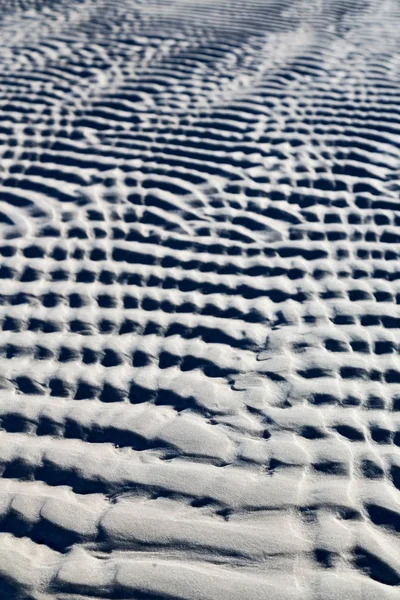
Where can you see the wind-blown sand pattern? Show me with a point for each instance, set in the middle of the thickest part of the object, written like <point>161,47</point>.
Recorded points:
<point>200,300</point>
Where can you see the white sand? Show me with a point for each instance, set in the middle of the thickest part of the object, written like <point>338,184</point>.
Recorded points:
<point>200,300</point>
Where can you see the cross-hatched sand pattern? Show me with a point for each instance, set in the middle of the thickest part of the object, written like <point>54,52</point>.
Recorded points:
<point>200,299</point>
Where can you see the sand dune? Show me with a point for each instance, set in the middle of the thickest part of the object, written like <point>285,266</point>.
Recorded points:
<point>200,300</point>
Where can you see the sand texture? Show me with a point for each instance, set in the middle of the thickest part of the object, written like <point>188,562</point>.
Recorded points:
<point>200,300</point>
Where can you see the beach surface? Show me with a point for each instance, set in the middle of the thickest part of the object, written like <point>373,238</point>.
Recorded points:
<point>199,300</point>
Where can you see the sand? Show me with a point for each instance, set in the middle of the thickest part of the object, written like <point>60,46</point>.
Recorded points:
<point>199,300</point>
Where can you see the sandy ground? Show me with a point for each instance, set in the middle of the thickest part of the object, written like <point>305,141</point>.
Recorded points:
<point>199,300</point>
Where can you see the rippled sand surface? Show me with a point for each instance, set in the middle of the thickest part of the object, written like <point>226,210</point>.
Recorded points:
<point>199,300</point>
